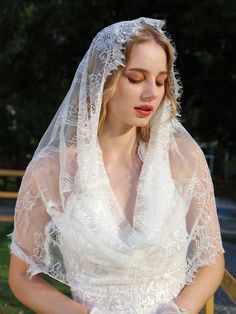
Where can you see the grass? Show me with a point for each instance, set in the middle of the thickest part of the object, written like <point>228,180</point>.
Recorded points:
<point>8,303</point>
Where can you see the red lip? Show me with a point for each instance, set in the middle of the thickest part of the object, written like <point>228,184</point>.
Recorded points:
<point>145,107</point>
<point>144,110</point>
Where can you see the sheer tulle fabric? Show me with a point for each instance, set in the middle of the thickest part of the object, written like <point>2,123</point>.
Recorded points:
<point>68,223</point>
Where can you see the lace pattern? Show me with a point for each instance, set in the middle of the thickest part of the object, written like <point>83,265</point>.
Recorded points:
<point>68,223</point>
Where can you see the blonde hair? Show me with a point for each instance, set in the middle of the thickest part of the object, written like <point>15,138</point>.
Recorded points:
<point>148,33</point>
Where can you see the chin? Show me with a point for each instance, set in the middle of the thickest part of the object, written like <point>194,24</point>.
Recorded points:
<point>138,122</point>
<point>141,123</point>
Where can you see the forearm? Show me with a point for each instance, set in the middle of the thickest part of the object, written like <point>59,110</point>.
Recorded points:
<point>43,298</point>
<point>208,278</point>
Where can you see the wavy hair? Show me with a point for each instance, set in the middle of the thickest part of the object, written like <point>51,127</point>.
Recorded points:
<point>147,33</point>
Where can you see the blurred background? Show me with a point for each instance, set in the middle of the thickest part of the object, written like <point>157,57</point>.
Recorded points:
<point>41,45</point>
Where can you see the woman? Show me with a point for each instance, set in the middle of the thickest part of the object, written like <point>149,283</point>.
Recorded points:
<point>117,201</point>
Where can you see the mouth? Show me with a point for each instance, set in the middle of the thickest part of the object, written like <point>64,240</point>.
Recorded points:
<point>144,110</point>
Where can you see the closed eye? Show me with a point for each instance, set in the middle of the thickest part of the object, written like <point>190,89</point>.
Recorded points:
<point>160,83</point>
<point>134,81</point>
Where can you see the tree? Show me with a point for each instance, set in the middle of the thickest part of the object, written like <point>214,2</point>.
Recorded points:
<point>41,44</point>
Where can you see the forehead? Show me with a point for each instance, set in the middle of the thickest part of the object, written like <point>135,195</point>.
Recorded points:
<point>148,55</point>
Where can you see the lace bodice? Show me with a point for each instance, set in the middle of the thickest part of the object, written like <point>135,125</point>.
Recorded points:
<point>120,288</point>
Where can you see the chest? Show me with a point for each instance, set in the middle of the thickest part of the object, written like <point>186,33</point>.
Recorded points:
<point>124,182</point>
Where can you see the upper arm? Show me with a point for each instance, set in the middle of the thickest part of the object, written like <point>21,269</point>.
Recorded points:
<point>191,172</point>
<point>17,276</point>
<point>17,268</point>
<point>40,203</point>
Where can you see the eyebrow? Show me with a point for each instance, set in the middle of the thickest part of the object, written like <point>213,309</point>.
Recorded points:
<point>145,71</point>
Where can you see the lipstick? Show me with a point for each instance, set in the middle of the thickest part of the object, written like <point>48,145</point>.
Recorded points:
<point>144,110</point>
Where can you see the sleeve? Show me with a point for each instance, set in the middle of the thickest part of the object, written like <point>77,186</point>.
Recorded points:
<point>191,174</point>
<point>31,215</point>
<point>202,221</point>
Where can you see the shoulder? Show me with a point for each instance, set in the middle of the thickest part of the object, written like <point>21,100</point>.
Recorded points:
<point>53,160</point>
<point>186,145</point>
<point>47,165</point>
<point>186,156</point>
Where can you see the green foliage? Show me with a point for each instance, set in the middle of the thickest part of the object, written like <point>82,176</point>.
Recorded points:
<point>42,42</point>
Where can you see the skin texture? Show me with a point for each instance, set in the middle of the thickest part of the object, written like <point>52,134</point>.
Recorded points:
<point>139,87</point>
<point>208,278</point>
<point>38,294</point>
<point>118,138</point>
<point>118,144</point>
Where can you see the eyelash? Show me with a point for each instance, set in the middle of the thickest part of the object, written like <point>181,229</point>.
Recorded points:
<point>134,81</point>
<point>139,81</point>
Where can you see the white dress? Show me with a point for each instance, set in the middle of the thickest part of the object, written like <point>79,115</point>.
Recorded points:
<point>131,285</point>
<point>107,262</point>
<point>68,223</point>
<point>124,289</point>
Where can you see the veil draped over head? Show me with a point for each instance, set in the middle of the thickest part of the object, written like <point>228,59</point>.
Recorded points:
<point>68,223</point>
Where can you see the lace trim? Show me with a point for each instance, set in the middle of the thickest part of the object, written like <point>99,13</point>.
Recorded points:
<point>33,268</point>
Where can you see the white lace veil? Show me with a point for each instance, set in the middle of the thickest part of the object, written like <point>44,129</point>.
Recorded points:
<point>68,223</point>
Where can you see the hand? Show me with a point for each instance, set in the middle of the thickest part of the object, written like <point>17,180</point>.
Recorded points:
<point>169,308</point>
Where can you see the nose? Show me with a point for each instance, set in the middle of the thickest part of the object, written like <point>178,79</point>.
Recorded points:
<point>150,91</point>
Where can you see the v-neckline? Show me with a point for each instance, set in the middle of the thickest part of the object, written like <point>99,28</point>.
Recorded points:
<point>112,193</point>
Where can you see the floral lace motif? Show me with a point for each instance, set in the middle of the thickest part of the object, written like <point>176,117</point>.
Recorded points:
<point>68,224</point>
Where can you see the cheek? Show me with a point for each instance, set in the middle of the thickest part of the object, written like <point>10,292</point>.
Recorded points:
<point>121,93</point>
<point>122,100</point>
<point>161,92</point>
<point>125,90</point>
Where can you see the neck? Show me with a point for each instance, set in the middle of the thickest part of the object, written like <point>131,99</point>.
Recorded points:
<point>118,144</point>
